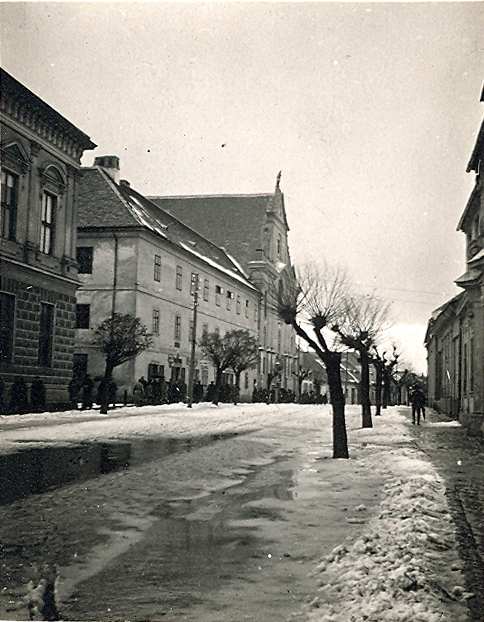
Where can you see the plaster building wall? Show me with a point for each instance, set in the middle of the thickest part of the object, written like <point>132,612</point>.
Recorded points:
<point>41,154</point>
<point>148,273</point>
<point>253,229</point>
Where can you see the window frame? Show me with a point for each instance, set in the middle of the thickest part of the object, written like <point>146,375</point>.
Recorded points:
<point>81,316</point>
<point>179,278</point>
<point>155,321</point>
<point>48,215</point>
<point>157,269</point>
<point>84,264</point>
<point>9,206</point>
<point>46,334</point>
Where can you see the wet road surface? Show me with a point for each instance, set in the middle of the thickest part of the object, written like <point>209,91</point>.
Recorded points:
<point>223,531</point>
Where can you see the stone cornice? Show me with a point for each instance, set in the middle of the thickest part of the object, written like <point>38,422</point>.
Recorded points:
<point>30,111</point>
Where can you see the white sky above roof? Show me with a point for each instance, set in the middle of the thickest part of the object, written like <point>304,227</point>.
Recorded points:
<point>371,111</point>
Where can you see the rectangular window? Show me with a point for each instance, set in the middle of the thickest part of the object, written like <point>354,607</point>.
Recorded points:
<point>237,304</point>
<point>83,313</point>
<point>218,293</point>
<point>205,330</point>
<point>246,308</point>
<point>47,224</point>
<point>46,333</point>
<point>216,330</point>
<point>179,277</point>
<point>229,297</point>
<point>7,310</point>
<point>157,269</point>
<point>205,290</point>
<point>177,327</point>
<point>84,259</point>
<point>9,205</point>
<point>156,322</point>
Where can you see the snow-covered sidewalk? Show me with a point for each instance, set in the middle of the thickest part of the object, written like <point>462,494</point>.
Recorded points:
<point>405,566</point>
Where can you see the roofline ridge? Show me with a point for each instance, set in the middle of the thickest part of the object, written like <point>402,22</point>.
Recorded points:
<point>208,196</point>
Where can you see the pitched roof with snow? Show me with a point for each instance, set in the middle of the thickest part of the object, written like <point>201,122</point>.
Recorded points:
<point>234,222</point>
<point>104,204</point>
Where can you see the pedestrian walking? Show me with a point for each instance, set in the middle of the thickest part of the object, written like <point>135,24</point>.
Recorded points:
<point>74,388</point>
<point>417,400</point>
<point>37,395</point>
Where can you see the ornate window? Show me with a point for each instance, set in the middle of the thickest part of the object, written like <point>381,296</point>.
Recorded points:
<point>47,222</point>
<point>9,204</point>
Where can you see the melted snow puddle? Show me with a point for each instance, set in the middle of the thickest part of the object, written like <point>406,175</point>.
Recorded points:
<point>35,470</point>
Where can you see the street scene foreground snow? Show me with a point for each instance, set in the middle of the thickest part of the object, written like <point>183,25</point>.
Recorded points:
<point>401,564</point>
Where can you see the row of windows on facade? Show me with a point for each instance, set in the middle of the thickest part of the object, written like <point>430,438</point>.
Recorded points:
<point>7,331</point>
<point>85,262</point>
<point>83,321</point>
<point>454,374</point>
<point>10,208</point>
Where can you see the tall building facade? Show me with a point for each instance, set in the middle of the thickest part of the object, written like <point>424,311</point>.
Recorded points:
<point>40,162</point>
<point>136,258</point>
<point>455,333</point>
<point>253,229</point>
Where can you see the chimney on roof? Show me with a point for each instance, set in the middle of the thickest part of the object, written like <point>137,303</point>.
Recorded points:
<point>110,165</point>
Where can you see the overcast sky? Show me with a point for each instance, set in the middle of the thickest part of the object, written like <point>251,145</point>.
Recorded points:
<point>371,111</point>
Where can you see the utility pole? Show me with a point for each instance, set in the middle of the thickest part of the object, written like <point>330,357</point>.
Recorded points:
<point>191,371</point>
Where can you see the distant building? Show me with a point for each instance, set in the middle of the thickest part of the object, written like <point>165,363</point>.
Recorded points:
<point>40,163</point>
<point>253,230</point>
<point>455,332</point>
<point>136,258</point>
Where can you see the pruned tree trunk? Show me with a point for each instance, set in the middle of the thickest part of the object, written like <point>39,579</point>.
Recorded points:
<point>218,384</point>
<point>378,387</point>
<point>332,362</point>
<point>365,389</point>
<point>108,375</point>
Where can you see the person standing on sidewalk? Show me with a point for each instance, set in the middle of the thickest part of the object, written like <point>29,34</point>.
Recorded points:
<point>417,399</point>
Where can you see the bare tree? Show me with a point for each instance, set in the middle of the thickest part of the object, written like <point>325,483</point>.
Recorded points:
<point>246,355</point>
<point>362,324</point>
<point>320,295</point>
<point>380,364</point>
<point>121,338</point>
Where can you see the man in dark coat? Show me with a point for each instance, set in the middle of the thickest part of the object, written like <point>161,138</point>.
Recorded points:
<point>37,395</point>
<point>417,399</point>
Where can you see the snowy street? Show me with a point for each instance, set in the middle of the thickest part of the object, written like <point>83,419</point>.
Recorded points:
<point>247,517</point>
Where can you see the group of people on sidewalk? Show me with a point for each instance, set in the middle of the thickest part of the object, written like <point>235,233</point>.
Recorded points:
<point>20,398</point>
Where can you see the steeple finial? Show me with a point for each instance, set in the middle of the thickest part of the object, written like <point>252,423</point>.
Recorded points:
<point>278,179</point>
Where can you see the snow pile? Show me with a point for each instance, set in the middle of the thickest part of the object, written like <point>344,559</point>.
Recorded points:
<point>404,568</point>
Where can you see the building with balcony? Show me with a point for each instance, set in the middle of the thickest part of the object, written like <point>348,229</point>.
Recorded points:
<point>40,162</point>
